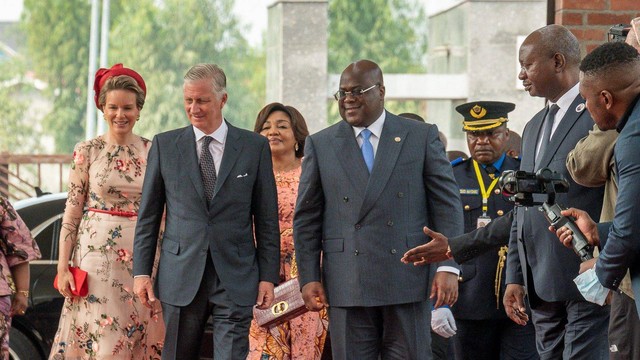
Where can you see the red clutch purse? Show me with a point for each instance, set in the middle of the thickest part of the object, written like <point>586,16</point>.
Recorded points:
<point>80,278</point>
<point>287,305</point>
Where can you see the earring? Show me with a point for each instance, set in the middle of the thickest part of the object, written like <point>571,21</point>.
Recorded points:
<point>138,118</point>
<point>296,147</point>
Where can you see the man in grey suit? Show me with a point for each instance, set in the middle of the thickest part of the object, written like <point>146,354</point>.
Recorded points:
<point>220,252</point>
<point>369,186</point>
<point>566,325</point>
<point>611,86</point>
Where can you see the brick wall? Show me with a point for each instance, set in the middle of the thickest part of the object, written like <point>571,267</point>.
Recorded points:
<point>590,20</point>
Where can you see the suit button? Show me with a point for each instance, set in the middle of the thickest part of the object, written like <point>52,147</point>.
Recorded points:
<point>400,194</point>
<point>496,191</point>
<point>345,199</point>
<point>356,253</point>
<point>393,251</point>
<point>389,223</point>
<point>500,212</point>
<point>358,226</point>
<point>467,207</point>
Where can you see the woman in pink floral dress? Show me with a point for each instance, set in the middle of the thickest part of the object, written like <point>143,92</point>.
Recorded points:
<point>302,337</point>
<point>17,248</point>
<point>105,186</point>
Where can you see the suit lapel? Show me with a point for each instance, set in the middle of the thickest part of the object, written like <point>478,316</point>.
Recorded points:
<point>392,138</point>
<point>349,156</point>
<point>530,142</point>
<point>569,119</point>
<point>232,148</point>
<point>186,143</point>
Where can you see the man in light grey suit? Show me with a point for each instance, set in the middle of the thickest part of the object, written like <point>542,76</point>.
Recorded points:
<point>221,247</point>
<point>566,325</point>
<point>369,186</point>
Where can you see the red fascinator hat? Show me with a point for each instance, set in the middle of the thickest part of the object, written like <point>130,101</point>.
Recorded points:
<point>102,75</point>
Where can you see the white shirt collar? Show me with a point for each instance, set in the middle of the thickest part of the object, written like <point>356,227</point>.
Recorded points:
<point>220,135</point>
<point>375,127</point>
<point>567,98</point>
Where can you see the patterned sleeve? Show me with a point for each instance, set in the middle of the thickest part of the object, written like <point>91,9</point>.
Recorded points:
<point>16,242</point>
<point>77,192</point>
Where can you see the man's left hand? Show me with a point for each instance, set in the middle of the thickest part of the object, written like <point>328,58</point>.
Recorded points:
<point>265,295</point>
<point>445,287</point>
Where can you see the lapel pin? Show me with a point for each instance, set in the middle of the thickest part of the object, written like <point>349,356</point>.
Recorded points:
<point>397,139</point>
<point>580,107</point>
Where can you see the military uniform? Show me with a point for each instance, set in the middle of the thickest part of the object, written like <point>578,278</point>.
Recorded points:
<point>484,330</point>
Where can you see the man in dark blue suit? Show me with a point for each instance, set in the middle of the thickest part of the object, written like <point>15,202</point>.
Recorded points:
<point>220,252</point>
<point>484,330</point>
<point>611,86</point>
<point>567,326</point>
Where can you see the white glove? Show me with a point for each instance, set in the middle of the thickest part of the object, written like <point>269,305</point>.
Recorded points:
<point>443,323</point>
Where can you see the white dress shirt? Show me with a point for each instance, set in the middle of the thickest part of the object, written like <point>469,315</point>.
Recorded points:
<point>216,147</point>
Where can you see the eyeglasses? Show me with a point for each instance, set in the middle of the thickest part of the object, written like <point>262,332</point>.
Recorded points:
<point>491,134</point>
<point>341,94</point>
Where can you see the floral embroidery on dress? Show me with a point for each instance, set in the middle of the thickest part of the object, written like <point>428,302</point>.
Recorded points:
<point>110,321</point>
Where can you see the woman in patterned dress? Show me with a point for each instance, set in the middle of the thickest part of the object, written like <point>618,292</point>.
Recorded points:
<point>302,337</point>
<point>105,186</point>
<point>17,248</point>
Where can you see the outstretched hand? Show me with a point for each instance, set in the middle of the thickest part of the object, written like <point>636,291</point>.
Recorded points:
<point>434,251</point>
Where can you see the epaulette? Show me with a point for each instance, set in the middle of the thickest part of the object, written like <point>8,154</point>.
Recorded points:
<point>457,161</point>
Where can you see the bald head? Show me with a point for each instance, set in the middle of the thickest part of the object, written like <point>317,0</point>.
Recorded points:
<point>367,68</point>
<point>557,39</point>
<point>549,57</point>
<point>362,85</point>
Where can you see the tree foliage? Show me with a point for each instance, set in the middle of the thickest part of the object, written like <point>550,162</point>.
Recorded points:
<point>18,135</point>
<point>392,33</point>
<point>57,41</point>
<point>160,40</point>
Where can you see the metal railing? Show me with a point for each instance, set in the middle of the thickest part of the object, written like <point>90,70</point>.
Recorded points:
<point>25,176</point>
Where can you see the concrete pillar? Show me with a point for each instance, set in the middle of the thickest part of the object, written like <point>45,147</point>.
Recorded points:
<point>297,58</point>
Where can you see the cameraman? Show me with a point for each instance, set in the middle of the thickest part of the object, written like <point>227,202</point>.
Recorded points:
<point>611,85</point>
<point>591,163</point>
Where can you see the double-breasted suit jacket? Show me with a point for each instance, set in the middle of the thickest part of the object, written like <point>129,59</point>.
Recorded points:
<point>536,258</point>
<point>239,229</point>
<point>358,226</point>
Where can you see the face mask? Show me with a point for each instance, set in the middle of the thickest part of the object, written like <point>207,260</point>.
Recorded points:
<point>590,287</point>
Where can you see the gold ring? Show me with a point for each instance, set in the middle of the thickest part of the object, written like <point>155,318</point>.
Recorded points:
<point>22,312</point>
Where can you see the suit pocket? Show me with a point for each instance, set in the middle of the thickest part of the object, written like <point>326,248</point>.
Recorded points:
<point>333,245</point>
<point>170,246</point>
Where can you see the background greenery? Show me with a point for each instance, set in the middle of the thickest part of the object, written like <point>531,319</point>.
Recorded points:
<point>162,39</point>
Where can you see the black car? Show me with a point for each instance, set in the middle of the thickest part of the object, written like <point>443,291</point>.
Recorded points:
<point>32,334</point>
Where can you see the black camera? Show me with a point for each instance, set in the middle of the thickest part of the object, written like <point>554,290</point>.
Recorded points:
<point>520,187</point>
<point>618,33</point>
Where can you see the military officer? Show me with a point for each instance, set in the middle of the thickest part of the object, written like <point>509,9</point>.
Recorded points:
<point>484,330</point>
